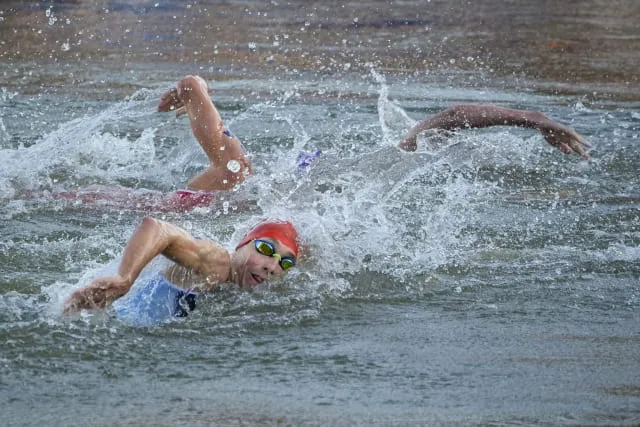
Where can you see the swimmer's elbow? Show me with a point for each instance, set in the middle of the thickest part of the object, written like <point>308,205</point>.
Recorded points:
<point>148,221</point>
<point>233,178</point>
<point>149,224</point>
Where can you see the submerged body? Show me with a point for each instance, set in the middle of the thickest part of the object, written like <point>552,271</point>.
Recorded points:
<point>142,200</point>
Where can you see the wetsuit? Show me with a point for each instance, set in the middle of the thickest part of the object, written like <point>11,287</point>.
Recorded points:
<point>154,301</point>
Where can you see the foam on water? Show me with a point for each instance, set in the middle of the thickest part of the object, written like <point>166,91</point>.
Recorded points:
<point>93,148</point>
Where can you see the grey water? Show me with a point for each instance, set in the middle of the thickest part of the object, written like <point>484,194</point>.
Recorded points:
<point>486,279</point>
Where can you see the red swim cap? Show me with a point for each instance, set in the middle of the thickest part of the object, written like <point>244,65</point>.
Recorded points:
<point>283,231</point>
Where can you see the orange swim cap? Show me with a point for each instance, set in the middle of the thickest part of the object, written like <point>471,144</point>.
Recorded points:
<point>283,231</point>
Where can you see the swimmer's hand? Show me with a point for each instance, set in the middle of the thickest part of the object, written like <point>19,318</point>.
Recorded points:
<point>563,137</point>
<point>170,101</point>
<point>409,143</point>
<point>173,100</point>
<point>97,294</point>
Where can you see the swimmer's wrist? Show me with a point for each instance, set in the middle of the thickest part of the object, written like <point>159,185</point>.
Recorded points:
<point>536,120</point>
<point>125,283</point>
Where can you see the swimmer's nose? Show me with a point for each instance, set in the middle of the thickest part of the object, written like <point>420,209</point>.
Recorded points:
<point>272,267</point>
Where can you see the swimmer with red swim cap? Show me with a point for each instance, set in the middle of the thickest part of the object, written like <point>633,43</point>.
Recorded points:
<point>268,250</point>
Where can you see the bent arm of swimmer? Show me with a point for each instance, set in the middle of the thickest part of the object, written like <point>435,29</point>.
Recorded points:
<point>480,116</point>
<point>151,238</point>
<point>192,97</point>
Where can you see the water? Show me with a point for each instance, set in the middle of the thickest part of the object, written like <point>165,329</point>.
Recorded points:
<point>485,279</point>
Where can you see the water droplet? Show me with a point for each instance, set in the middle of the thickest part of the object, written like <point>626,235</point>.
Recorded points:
<point>233,166</point>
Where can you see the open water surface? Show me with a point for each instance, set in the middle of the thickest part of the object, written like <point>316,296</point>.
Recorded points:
<point>486,279</point>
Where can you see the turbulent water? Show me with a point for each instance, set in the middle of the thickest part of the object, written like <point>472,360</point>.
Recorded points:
<point>485,279</point>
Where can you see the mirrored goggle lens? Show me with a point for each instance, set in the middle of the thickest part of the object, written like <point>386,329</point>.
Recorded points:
<point>265,248</point>
<point>287,262</point>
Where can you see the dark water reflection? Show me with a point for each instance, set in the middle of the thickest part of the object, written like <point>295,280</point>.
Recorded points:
<point>582,45</point>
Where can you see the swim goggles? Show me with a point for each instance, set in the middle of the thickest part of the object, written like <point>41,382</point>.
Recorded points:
<point>267,248</point>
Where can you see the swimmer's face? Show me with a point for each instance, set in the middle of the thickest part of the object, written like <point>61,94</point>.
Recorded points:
<point>254,267</point>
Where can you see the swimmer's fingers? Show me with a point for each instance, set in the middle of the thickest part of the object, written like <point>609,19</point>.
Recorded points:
<point>409,144</point>
<point>576,142</point>
<point>83,299</point>
<point>578,148</point>
<point>170,101</point>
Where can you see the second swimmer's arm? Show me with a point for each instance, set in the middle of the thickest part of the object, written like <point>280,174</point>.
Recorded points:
<point>480,116</point>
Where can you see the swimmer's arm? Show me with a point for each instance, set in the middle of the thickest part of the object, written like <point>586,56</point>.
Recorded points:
<point>152,238</point>
<point>479,116</point>
<point>192,97</point>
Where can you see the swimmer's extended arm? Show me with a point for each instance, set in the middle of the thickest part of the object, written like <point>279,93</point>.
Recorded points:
<point>479,116</point>
<point>152,238</point>
<point>191,96</point>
